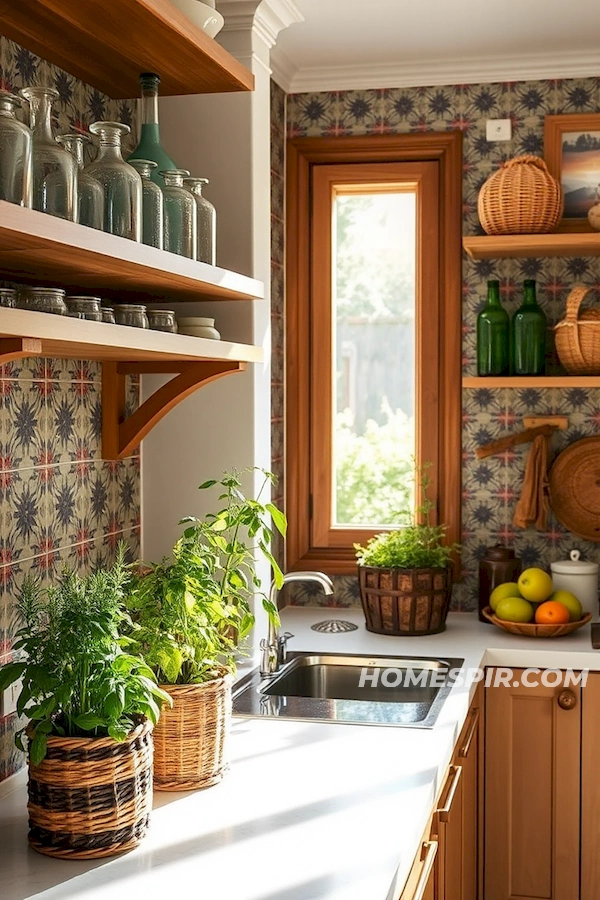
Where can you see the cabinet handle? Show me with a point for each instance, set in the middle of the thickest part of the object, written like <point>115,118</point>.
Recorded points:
<point>430,854</point>
<point>567,700</point>
<point>444,812</point>
<point>464,750</point>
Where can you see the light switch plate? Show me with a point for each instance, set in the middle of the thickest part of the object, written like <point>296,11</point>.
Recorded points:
<point>498,130</point>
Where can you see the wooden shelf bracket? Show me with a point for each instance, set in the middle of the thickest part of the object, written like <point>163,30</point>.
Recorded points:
<point>121,434</point>
<point>18,348</point>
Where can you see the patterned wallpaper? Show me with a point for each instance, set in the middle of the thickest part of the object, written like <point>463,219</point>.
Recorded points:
<point>59,501</point>
<point>490,487</point>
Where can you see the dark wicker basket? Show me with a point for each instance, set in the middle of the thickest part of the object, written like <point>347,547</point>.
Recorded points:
<point>91,797</point>
<point>405,601</point>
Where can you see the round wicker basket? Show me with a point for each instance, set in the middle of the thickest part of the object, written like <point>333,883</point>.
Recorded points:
<point>91,797</point>
<point>521,197</point>
<point>190,739</point>
<point>577,337</point>
<point>405,601</point>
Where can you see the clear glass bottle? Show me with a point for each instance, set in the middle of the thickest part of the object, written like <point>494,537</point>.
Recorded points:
<point>493,335</point>
<point>16,174</point>
<point>54,169</point>
<point>90,196</point>
<point>180,215</point>
<point>149,146</point>
<point>121,184</point>
<point>207,222</point>
<point>528,334</point>
<point>152,204</point>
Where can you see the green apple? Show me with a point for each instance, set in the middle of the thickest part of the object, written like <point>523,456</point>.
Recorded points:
<point>508,589</point>
<point>514,609</point>
<point>571,602</point>
<point>535,585</point>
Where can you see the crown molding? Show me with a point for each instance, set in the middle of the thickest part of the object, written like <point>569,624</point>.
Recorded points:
<point>476,70</point>
<point>266,17</point>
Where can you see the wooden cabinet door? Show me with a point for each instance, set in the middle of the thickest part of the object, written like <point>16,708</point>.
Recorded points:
<point>590,789</point>
<point>449,828</point>
<point>468,757</point>
<point>421,881</point>
<point>532,783</point>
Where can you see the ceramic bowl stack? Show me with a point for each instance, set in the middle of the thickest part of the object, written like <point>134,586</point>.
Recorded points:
<point>204,15</point>
<point>198,326</point>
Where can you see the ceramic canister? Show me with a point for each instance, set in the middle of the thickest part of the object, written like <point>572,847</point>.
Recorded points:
<point>578,577</point>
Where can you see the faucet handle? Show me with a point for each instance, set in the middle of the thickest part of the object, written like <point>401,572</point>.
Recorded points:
<point>282,646</point>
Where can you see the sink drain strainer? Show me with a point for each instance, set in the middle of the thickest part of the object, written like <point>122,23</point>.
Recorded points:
<point>334,626</point>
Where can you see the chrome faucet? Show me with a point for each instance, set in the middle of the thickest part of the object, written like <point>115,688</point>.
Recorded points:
<point>274,648</point>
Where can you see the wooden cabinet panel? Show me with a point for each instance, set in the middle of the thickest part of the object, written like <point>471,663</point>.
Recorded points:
<point>590,789</point>
<point>448,872</point>
<point>421,881</point>
<point>532,757</point>
<point>467,756</point>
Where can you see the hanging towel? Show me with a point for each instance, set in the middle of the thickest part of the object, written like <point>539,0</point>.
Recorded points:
<point>532,508</point>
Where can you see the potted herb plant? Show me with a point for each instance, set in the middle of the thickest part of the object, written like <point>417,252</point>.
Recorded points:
<point>90,708</point>
<point>189,614</point>
<point>405,575</point>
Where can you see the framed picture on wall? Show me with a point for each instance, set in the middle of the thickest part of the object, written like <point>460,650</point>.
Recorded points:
<point>572,154</point>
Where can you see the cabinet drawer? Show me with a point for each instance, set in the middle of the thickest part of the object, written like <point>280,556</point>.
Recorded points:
<point>420,883</point>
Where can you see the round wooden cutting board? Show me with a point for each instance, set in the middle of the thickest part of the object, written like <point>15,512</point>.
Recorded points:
<point>575,488</point>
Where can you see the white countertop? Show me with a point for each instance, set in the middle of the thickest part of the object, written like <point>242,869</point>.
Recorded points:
<point>307,811</point>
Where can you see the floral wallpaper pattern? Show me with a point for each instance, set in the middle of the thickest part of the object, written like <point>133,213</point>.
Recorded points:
<point>490,488</point>
<point>60,502</point>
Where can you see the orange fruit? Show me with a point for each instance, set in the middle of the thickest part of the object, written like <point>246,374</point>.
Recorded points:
<point>552,613</point>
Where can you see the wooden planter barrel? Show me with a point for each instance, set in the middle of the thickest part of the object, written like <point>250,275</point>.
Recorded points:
<point>91,797</point>
<point>405,602</point>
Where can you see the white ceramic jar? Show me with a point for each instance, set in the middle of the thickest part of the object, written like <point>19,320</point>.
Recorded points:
<point>581,578</point>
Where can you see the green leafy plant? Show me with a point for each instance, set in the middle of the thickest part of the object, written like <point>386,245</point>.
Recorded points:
<point>417,545</point>
<point>190,612</point>
<point>76,679</point>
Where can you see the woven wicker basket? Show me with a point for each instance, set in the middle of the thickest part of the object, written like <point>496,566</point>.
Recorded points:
<point>577,337</point>
<point>405,601</point>
<point>91,797</point>
<point>520,198</point>
<point>190,738</point>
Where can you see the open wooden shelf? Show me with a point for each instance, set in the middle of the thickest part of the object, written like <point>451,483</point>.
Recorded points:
<point>534,381</point>
<point>108,45</point>
<point>532,245</point>
<point>49,250</point>
<point>124,351</point>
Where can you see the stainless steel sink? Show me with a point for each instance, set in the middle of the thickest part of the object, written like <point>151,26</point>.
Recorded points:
<point>335,687</point>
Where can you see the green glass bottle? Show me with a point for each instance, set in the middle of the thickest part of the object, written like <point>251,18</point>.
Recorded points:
<point>528,335</point>
<point>150,146</point>
<point>493,341</point>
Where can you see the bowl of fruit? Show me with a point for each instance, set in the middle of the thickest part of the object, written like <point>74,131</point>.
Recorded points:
<point>533,608</point>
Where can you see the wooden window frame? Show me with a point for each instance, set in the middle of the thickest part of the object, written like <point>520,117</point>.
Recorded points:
<point>302,155</point>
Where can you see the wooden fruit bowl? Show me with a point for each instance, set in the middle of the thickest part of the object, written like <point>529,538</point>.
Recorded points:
<point>530,629</point>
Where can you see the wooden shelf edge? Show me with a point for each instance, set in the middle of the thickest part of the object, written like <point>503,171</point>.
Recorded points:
<point>66,338</point>
<point>38,246</point>
<point>94,43</point>
<point>532,245</point>
<point>542,381</point>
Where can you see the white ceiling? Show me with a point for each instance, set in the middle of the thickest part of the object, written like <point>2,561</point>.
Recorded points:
<point>353,44</point>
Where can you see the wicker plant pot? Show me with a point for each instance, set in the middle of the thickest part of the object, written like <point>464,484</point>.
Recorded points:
<point>520,198</point>
<point>91,797</point>
<point>577,337</point>
<point>190,738</point>
<point>405,602</point>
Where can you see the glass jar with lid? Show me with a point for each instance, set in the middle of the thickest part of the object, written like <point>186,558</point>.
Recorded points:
<point>86,307</point>
<point>207,222</point>
<point>180,215</point>
<point>162,320</point>
<point>16,173</point>
<point>133,314</point>
<point>90,196</point>
<point>42,299</point>
<point>8,297</point>
<point>54,169</point>
<point>152,204</point>
<point>108,315</point>
<point>121,184</point>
